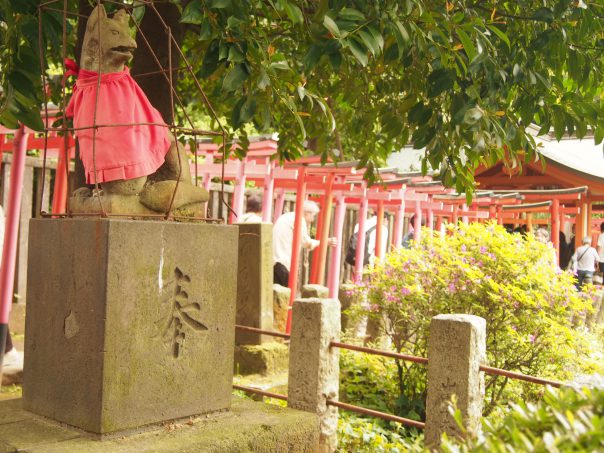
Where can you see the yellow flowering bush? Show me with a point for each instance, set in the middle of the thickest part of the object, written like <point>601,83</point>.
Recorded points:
<point>479,269</point>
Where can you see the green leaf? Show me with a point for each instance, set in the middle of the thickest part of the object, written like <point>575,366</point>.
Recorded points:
<point>233,23</point>
<point>370,42</point>
<point>467,44</point>
<point>236,113</point>
<point>210,60</point>
<point>500,34</point>
<point>329,23</point>
<point>21,83</point>
<point>205,31</point>
<point>351,14</point>
<point>31,118</point>
<point>419,113</point>
<point>439,81</point>
<point>544,14</point>
<point>235,55</point>
<point>282,65</point>
<point>235,78</point>
<point>293,12</point>
<point>193,14</point>
<point>311,59</point>
<point>358,51</point>
<point>377,36</point>
<point>263,79</point>
<point>247,110</point>
<point>559,122</point>
<point>599,135</point>
<point>472,115</point>
<point>220,4</point>
<point>138,13</point>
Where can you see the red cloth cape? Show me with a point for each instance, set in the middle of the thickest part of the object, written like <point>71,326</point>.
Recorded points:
<point>121,152</point>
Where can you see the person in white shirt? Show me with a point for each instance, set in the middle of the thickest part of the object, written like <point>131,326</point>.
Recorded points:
<point>370,228</point>
<point>253,209</point>
<point>585,260</point>
<point>283,238</point>
<point>600,245</point>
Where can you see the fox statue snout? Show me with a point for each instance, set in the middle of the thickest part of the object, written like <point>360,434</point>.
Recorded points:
<point>108,45</point>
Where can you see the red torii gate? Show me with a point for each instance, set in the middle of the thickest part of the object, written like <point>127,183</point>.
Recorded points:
<point>57,147</point>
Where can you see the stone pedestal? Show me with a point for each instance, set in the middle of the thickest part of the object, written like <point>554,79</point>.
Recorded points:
<point>129,322</point>
<point>255,281</point>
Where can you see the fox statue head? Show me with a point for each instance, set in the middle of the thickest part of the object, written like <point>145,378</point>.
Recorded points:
<point>108,45</point>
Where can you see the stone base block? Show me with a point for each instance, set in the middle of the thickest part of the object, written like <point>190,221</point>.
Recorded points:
<point>265,359</point>
<point>249,426</point>
<point>129,322</point>
<point>127,204</point>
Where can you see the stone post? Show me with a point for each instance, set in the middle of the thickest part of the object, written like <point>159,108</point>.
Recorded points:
<point>346,300</point>
<point>255,281</point>
<point>313,366</point>
<point>311,291</point>
<point>281,296</point>
<point>20,290</point>
<point>456,349</point>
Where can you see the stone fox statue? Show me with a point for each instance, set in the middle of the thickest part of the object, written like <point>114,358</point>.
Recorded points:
<point>126,160</point>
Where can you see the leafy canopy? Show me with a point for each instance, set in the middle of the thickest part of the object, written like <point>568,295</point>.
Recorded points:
<point>362,78</point>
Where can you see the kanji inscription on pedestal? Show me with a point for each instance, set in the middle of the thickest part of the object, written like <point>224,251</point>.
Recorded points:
<point>182,313</point>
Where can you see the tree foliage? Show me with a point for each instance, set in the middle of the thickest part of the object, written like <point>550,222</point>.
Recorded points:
<point>362,78</point>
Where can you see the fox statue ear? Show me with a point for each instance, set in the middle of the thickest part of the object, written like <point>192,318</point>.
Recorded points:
<point>96,15</point>
<point>122,16</point>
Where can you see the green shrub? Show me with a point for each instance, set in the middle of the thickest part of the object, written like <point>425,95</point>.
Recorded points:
<point>366,435</point>
<point>568,420</point>
<point>485,271</point>
<point>368,380</point>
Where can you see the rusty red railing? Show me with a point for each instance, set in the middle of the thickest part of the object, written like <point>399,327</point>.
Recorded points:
<point>394,355</point>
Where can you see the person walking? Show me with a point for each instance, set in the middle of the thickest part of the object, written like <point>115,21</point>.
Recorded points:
<point>253,210</point>
<point>283,238</point>
<point>585,260</point>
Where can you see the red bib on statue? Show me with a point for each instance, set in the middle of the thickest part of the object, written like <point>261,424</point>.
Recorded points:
<point>120,152</point>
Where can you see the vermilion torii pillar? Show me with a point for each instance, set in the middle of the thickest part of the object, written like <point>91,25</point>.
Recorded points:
<point>11,234</point>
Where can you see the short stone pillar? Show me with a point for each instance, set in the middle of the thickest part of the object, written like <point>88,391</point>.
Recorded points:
<point>129,322</point>
<point>597,315</point>
<point>347,300</point>
<point>314,369</point>
<point>281,296</point>
<point>456,349</point>
<point>255,281</point>
<point>311,291</point>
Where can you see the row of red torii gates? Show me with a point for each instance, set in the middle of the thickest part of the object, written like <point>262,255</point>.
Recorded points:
<point>341,185</point>
<point>408,194</point>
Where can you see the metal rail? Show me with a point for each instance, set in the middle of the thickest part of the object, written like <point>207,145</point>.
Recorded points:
<point>394,355</point>
<point>260,392</point>
<point>382,415</point>
<point>262,331</point>
<point>519,376</point>
<point>423,360</point>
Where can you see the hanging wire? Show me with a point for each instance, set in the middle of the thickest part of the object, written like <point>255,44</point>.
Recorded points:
<point>96,104</point>
<point>45,99</point>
